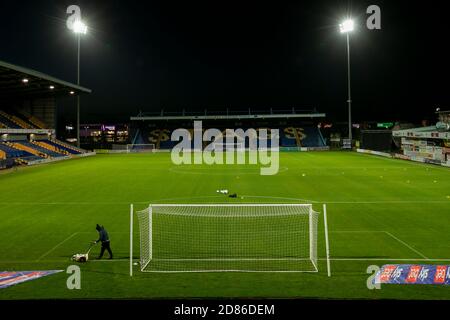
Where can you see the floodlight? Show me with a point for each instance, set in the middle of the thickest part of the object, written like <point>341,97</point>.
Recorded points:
<point>79,27</point>
<point>25,80</point>
<point>347,26</point>
<point>52,87</point>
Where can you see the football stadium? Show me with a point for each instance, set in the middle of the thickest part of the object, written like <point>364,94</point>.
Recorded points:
<point>176,203</point>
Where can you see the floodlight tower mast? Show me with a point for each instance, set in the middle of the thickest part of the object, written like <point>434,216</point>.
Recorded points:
<point>346,27</point>
<point>79,28</point>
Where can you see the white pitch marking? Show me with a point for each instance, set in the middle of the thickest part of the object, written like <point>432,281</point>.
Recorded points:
<point>59,244</point>
<point>406,245</point>
<point>385,259</point>
<point>320,259</point>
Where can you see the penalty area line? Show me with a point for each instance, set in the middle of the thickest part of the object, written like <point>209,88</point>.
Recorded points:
<point>55,247</point>
<point>406,245</point>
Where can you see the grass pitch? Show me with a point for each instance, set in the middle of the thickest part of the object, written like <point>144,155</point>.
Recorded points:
<point>379,211</point>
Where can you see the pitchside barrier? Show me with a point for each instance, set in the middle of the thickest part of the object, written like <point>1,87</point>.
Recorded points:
<point>72,156</point>
<point>228,238</point>
<point>405,157</point>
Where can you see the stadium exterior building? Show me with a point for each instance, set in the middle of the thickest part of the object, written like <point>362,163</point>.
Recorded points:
<point>103,135</point>
<point>28,104</point>
<point>427,144</point>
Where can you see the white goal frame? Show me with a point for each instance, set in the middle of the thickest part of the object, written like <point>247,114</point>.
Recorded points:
<point>151,148</point>
<point>312,241</point>
<point>229,147</point>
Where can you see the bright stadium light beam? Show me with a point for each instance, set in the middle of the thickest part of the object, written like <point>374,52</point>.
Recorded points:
<point>347,26</point>
<point>80,27</point>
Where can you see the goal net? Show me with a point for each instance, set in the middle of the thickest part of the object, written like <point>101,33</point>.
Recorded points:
<point>221,237</point>
<point>137,148</point>
<point>229,147</point>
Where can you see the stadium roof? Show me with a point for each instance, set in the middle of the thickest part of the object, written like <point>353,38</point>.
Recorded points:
<point>18,81</point>
<point>229,114</point>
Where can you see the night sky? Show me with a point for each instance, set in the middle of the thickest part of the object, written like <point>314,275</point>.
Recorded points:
<point>146,55</point>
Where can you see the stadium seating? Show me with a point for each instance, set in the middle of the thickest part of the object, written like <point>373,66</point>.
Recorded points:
<point>7,122</point>
<point>50,147</point>
<point>12,152</point>
<point>17,149</point>
<point>312,138</point>
<point>25,151</point>
<point>37,123</point>
<point>304,136</point>
<point>50,153</point>
<point>60,146</point>
<point>22,147</point>
<point>20,121</point>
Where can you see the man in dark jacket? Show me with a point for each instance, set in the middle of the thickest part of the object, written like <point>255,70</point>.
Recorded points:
<point>104,239</point>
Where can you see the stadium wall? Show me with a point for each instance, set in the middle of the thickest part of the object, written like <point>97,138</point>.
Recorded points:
<point>45,161</point>
<point>405,157</point>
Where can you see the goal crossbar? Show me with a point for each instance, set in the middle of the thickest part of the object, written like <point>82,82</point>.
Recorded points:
<point>137,148</point>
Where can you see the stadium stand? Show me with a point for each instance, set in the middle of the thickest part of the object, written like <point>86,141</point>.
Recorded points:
<point>16,120</point>
<point>7,122</point>
<point>42,150</point>
<point>21,155</point>
<point>24,151</point>
<point>22,147</point>
<point>28,117</point>
<point>24,120</point>
<point>311,137</point>
<point>50,147</point>
<point>305,136</point>
<point>298,128</point>
<point>37,123</point>
<point>61,146</point>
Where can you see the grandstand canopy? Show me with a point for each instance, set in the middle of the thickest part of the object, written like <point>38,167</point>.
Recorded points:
<point>229,114</point>
<point>18,81</point>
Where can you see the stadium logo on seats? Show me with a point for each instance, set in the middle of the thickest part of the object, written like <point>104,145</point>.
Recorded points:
<point>228,147</point>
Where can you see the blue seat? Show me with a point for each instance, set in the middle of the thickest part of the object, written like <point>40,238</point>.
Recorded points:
<point>41,149</point>
<point>61,147</point>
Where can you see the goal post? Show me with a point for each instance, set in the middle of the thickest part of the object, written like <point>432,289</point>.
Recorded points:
<point>227,147</point>
<point>327,243</point>
<point>140,148</point>
<point>227,238</point>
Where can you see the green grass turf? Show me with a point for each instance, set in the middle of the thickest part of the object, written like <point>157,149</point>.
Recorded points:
<point>378,209</point>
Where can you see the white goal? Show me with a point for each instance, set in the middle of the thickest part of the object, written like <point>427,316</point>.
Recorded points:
<point>226,237</point>
<point>229,147</point>
<point>140,148</point>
